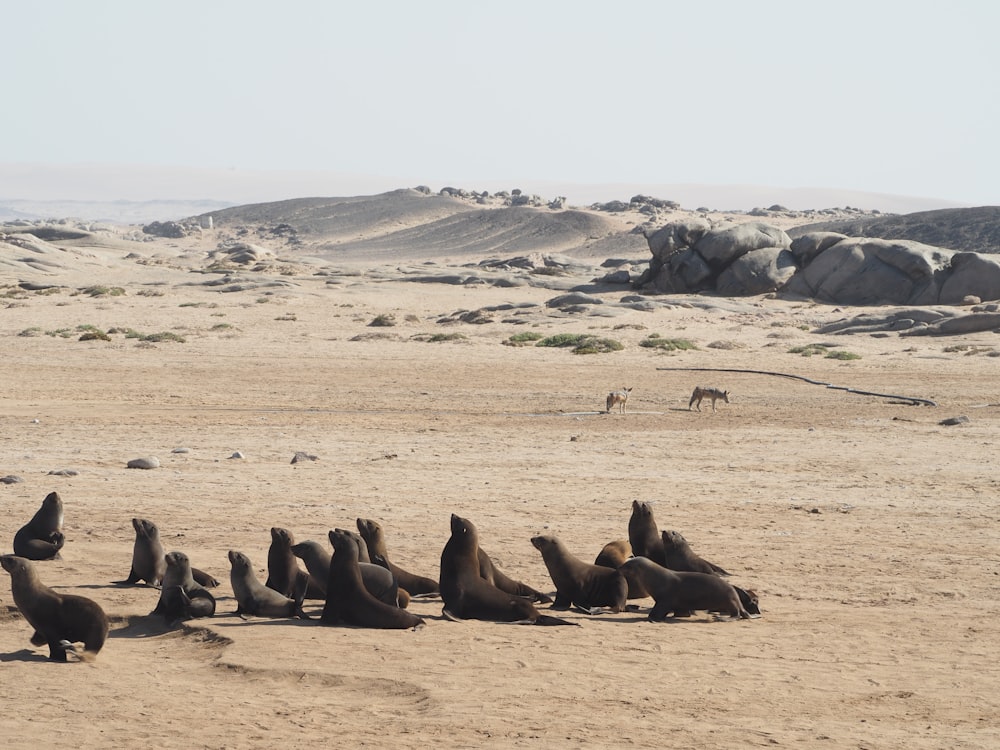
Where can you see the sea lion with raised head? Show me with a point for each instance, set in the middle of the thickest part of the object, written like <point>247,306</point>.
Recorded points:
<point>181,597</point>
<point>42,538</point>
<point>579,583</point>
<point>374,536</point>
<point>347,598</point>
<point>679,556</point>
<point>613,555</point>
<point>254,598</point>
<point>643,534</point>
<point>379,581</point>
<point>468,596</point>
<point>681,593</point>
<point>283,572</point>
<point>59,620</point>
<point>148,562</point>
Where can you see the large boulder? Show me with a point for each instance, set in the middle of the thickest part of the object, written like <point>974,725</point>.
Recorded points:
<point>808,246</point>
<point>860,271</point>
<point>667,240</point>
<point>971,273</point>
<point>757,272</point>
<point>720,247</point>
<point>683,272</point>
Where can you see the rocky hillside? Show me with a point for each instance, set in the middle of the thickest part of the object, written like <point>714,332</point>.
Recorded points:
<point>975,230</point>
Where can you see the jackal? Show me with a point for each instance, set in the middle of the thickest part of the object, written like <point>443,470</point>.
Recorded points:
<point>618,397</point>
<point>713,393</point>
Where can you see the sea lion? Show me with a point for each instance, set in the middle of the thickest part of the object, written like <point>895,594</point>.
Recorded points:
<point>148,563</point>
<point>492,574</point>
<point>60,620</point>
<point>467,595</point>
<point>643,534</point>
<point>42,538</point>
<point>181,597</point>
<point>374,536</point>
<point>254,598</point>
<point>680,593</point>
<point>679,556</point>
<point>379,581</point>
<point>579,583</point>
<point>364,560</point>
<point>283,572</point>
<point>613,555</point>
<point>347,598</point>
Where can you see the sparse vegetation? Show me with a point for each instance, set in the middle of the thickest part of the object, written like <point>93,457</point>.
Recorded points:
<point>383,320</point>
<point>33,331</point>
<point>656,341</point>
<point>222,326</point>
<point>523,339</point>
<point>100,290</point>
<point>970,350</point>
<point>287,316</point>
<point>163,336</point>
<point>95,335</point>
<point>438,337</point>
<point>808,350</point>
<point>582,343</point>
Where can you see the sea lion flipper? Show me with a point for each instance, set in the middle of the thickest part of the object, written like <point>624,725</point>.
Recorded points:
<point>37,639</point>
<point>550,620</point>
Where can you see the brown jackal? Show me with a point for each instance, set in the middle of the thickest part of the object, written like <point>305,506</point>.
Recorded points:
<point>713,393</point>
<point>618,397</point>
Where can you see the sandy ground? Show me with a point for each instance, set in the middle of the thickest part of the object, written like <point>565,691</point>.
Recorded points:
<point>868,530</point>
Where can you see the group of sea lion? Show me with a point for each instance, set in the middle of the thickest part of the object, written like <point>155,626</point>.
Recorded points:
<point>361,586</point>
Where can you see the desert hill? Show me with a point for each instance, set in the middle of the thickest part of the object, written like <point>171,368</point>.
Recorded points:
<point>975,230</point>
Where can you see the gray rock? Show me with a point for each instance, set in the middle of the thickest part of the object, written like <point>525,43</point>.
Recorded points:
<point>11,479</point>
<point>145,462</point>
<point>971,274</point>
<point>757,272</point>
<point>302,456</point>
<point>952,421</point>
<point>64,473</point>
<point>722,246</point>
<point>972,323</point>
<point>676,236</point>
<point>683,273</point>
<point>808,246</point>
<point>573,299</point>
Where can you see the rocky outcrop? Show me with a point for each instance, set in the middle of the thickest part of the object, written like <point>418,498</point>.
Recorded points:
<point>754,258</point>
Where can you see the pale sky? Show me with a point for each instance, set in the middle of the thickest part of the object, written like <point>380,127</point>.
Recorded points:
<point>899,97</point>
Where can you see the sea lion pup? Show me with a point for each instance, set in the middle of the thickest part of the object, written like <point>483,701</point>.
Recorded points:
<point>579,583</point>
<point>679,556</point>
<point>60,620</point>
<point>613,555</point>
<point>254,598</point>
<point>347,598</point>
<point>682,593</point>
<point>643,534</point>
<point>379,581</point>
<point>467,595</point>
<point>492,574</point>
<point>42,538</point>
<point>374,536</point>
<point>148,563</point>
<point>181,597</point>
<point>283,572</point>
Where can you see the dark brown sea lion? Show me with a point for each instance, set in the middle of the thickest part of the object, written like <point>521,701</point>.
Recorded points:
<point>59,620</point>
<point>181,597</point>
<point>492,574</point>
<point>467,595</point>
<point>579,583</point>
<point>681,593</point>
<point>283,572</point>
<point>42,538</point>
<point>613,555</point>
<point>379,581</point>
<point>349,601</point>
<point>148,563</point>
<point>680,556</point>
<point>643,534</point>
<point>254,598</point>
<point>364,560</point>
<point>373,534</point>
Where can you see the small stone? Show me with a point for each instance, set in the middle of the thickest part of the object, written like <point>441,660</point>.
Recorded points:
<point>11,479</point>
<point>951,421</point>
<point>237,454</point>
<point>303,456</point>
<point>64,473</point>
<point>181,450</point>
<point>146,462</point>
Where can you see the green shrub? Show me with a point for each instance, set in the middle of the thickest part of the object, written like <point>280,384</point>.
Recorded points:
<point>841,354</point>
<point>565,339</point>
<point>103,291</point>
<point>162,336</point>
<point>383,320</point>
<point>33,331</point>
<point>595,345</point>
<point>656,341</point>
<point>523,339</point>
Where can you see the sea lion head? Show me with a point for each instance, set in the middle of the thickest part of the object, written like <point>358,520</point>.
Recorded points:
<point>177,559</point>
<point>15,565</point>
<point>344,544</point>
<point>145,528</point>
<point>368,528</point>
<point>303,550</point>
<point>673,539</point>
<point>543,542</point>
<point>282,536</point>
<point>239,561</point>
